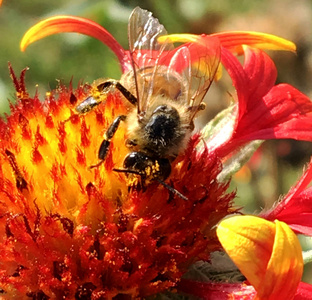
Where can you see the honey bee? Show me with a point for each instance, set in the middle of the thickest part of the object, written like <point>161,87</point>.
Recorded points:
<point>165,88</point>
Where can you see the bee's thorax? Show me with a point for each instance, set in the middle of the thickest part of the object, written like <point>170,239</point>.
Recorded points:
<point>161,133</point>
<point>162,125</point>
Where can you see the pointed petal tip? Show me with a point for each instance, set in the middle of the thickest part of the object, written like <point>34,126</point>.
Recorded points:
<point>63,23</point>
<point>233,40</point>
<point>43,29</point>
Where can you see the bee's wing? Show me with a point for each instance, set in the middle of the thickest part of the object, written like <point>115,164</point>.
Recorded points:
<point>145,51</point>
<point>198,64</point>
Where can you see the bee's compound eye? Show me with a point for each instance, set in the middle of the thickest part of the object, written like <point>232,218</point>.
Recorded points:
<point>135,161</point>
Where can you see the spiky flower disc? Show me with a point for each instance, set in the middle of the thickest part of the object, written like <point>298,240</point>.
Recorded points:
<point>71,232</point>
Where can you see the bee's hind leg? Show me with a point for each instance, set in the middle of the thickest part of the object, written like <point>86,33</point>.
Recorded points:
<point>103,150</point>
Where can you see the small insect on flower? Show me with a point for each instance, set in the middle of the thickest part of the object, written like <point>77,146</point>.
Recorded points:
<point>165,89</point>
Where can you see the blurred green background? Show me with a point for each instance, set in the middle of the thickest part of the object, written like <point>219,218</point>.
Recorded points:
<point>67,57</point>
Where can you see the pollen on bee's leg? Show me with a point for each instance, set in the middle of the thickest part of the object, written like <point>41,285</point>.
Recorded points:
<point>134,182</point>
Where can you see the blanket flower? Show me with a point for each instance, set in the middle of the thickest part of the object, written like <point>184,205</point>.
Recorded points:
<point>69,231</point>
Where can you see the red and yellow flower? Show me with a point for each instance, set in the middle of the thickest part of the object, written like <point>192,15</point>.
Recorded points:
<point>68,232</point>
<point>267,253</point>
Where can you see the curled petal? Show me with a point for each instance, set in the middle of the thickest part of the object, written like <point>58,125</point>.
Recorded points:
<point>267,253</point>
<point>252,80</point>
<point>264,111</point>
<point>58,24</point>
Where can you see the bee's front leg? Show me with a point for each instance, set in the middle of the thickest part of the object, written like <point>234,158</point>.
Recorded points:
<point>103,88</point>
<point>108,135</point>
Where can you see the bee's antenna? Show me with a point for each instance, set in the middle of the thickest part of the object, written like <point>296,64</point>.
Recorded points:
<point>171,189</point>
<point>127,171</point>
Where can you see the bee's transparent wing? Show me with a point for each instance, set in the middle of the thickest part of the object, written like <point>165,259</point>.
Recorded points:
<point>198,64</point>
<point>145,52</point>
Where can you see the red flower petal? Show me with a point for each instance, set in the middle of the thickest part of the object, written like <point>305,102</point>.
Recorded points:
<point>304,291</point>
<point>295,208</point>
<point>59,24</point>
<point>264,111</point>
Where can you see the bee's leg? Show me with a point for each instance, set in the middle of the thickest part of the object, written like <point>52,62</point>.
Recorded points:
<point>87,105</point>
<point>107,84</point>
<point>172,189</point>
<point>90,102</point>
<point>106,141</point>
